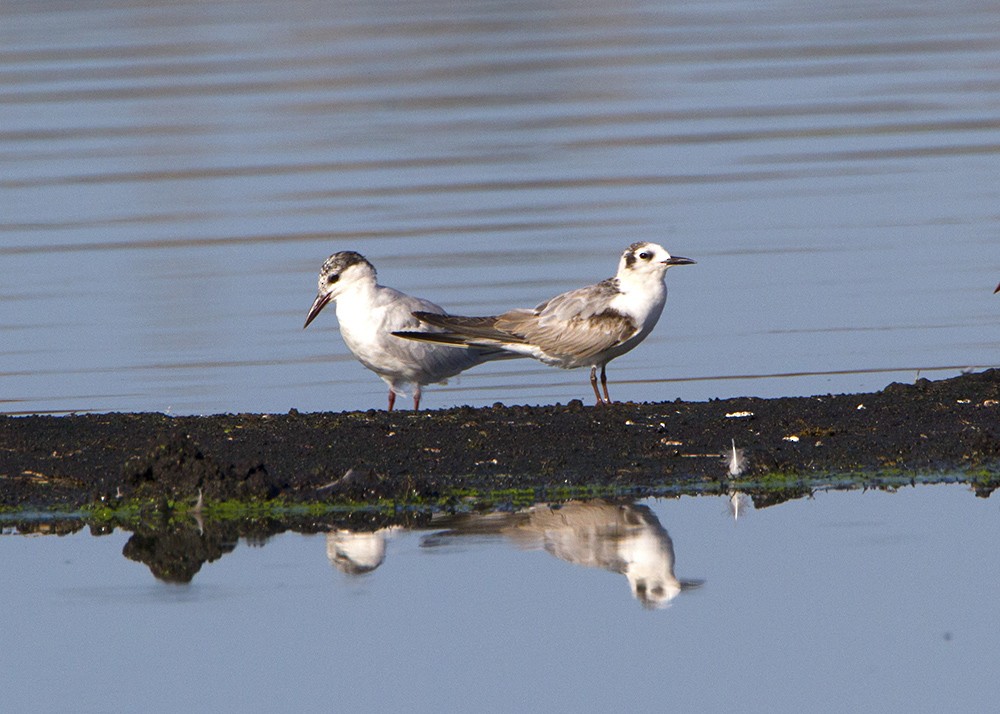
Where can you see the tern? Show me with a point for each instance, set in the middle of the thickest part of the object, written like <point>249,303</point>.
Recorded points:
<point>624,539</point>
<point>369,313</point>
<point>587,327</point>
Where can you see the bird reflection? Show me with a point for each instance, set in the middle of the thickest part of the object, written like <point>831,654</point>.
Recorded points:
<point>356,552</point>
<point>625,539</point>
<point>175,552</point>
<point>739,503</point>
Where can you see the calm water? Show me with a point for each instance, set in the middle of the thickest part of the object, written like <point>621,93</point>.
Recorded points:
<point>844,602</point>
<point>173,174</point>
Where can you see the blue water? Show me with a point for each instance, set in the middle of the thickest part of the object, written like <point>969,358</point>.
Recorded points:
<point>172,175</point>
<point>847,601</point>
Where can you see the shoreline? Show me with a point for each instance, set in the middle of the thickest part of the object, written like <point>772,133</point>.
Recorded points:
<point>947,427</point>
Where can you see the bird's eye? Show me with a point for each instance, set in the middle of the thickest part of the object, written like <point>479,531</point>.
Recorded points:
<point>645,255</point>
<point>331,279</point>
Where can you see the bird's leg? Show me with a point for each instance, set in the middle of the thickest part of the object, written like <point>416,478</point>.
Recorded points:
<point>392,399</point>
<point>416,399</point>
<point>604,384</point>
<point>593,383</point>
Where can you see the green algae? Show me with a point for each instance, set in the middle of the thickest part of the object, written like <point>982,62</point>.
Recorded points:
<point>768,486</point>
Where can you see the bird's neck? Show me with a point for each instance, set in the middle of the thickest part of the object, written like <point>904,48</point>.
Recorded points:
<point>357,296</point>
<point>652,285</point>
<point>641,296</point>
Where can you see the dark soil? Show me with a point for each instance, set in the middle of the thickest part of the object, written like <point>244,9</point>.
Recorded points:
<point>944,427</point>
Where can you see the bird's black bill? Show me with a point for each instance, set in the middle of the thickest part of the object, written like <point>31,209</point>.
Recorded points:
<point>318,304</point>
<point>677,260</point>
<point>997,290</point>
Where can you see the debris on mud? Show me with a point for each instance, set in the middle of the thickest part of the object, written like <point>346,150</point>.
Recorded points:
<point>67,462</point>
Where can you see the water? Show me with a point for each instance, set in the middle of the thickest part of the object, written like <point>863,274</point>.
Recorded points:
<point>858,601</point>
<point>172,175</point>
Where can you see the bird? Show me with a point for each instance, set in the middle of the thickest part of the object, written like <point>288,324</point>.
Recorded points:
<point>368,314</point>
<point>586,327</point>
<point>357,552</point>
<point>621,538</point>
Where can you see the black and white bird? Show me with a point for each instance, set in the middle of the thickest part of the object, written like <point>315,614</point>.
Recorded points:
<point>369,313</point>
<point>587,327</point>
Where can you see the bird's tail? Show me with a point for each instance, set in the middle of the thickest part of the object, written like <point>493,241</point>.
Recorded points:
<point>438,338</point>
<point>469,328</point>
<point>471,333</point>
<point>457,330</point>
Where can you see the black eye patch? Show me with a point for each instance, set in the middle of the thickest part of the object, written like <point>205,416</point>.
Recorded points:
<point>331,279</point>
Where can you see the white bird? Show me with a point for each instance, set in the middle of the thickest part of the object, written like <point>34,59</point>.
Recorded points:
<point>369,313</point>
<point>357,552</point>
<point>587,327</point>
<point>624,539</point>
<point>739,502</point>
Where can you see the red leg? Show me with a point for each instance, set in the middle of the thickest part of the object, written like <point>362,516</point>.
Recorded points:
<point>392,399</point>
<point>593,383</point>
<point>416,399</point>
<point>604,384</point>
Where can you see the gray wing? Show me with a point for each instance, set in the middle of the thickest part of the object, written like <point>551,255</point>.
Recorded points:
<point>433,361</point>
<point>420,322</point>
<point>461,329</point>
<point>582,302</point>
<point>576,336</point>
<point>405,307</point>
<point>579,322</point>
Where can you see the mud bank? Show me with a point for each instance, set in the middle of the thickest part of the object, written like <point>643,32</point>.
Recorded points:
<point>942,427</point>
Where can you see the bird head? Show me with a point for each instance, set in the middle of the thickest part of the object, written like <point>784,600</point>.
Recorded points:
<point>339,272</point>
<point>648,259</point>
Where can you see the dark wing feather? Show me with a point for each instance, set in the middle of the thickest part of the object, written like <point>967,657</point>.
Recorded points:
<point>471,328</point>
<point>440,338</point>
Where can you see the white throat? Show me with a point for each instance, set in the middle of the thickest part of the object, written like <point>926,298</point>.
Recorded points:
<point>642,295</point>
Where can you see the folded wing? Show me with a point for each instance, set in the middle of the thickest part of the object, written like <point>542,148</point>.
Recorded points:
<point>566,328</point>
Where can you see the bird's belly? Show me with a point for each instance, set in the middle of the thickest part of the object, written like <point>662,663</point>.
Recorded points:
<point>399,361</point>
<point>568,360</point>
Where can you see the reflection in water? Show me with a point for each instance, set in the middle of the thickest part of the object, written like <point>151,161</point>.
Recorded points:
<point>175,552</point>
<point>622,538</point>
<point>625,539</point>
<point>356,552</point>
<point>739,502</point>
<point>296,627</point>
<point>174,549</point>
